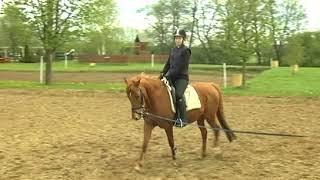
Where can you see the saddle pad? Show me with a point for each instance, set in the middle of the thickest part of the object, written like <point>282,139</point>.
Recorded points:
<point>191,95</point>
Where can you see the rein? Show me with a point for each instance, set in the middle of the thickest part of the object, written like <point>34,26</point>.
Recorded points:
<point>145,114</point>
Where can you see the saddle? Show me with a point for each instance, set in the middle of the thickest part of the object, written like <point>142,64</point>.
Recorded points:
<point>190,94</point>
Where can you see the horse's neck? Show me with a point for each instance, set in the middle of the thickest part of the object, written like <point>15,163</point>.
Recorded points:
<point>156,94</point>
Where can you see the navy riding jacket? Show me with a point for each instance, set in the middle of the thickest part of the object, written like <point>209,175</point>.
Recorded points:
<point>177,66</point>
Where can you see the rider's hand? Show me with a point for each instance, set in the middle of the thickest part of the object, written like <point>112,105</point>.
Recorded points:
<point>161,75</point>
<point>167,75</point>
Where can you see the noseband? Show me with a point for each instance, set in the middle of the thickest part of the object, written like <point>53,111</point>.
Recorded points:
<point>142,107</point>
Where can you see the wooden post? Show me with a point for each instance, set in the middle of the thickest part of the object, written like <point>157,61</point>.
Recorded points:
<point>41,69</point>
<point>65,61</point>
<point>152,60</point>
<point>224,75</point>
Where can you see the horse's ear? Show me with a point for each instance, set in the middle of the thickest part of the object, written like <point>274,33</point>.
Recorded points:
<point>125,80</point>
<point>137,83</point>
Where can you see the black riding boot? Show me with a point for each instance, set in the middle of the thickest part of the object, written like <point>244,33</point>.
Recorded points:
<point>180,87</point>
<point>181,113</point>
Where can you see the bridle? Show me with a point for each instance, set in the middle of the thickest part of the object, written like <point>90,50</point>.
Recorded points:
<point>142,104</point>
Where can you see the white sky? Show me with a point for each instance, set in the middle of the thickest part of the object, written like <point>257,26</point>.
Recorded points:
<point>129,17</point>
<point>313,13</point>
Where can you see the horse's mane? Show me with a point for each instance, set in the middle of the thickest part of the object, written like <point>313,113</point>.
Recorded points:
<point>146,76</point>
<point>150,79</point>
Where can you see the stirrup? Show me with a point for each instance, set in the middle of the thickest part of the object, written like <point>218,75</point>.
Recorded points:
<point>179,123</point>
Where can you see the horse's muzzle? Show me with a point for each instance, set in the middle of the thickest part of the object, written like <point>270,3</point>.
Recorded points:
<point>136,116</point>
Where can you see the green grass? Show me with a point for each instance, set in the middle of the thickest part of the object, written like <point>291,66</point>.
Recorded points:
<point>274,82</point>
<point>74,66</point>
<point>280,82</point>
<point>113,87</point>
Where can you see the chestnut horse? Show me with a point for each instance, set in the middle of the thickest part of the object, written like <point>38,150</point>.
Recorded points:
<point>149,94</point>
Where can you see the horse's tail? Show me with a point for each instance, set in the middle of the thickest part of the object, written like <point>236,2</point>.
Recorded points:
<point>230,135</point>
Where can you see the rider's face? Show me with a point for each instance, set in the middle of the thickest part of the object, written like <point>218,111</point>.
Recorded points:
<point>178,40</point>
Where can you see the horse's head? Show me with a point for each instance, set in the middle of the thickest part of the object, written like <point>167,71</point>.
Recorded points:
<point>135,96</point>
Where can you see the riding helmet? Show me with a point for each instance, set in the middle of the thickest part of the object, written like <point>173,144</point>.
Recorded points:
<point>180,32</point>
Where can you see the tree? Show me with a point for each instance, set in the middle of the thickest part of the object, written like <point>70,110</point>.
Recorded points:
<point>14,31</point>
<point>260,30</point>
<point>206,23</point>
<point>306,44</point>
<point>286,17</point>
<point>165,16</point>
<point>232,31</point>
<point>160,28</point>
<point>310,42</point>
<point>240,21</point>
<point>194,19</point>
<point>56,21</point>
<point>294,51</point>
<point>246,26</point>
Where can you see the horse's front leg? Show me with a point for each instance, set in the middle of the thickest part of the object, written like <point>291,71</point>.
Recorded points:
<point>147,134</point>
<point>203,131</point>
<point>169,132</point>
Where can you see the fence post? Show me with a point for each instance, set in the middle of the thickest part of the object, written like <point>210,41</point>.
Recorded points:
<point>152,60</point>
<point>41,69</point>
<point>224,75</point>
<point>65,61</point>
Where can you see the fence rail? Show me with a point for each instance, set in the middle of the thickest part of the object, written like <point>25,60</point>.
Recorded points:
<point>145,58</point>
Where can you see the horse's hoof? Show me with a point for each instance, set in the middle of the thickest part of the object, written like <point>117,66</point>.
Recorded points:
<point>203,156</point>
<point>175,164</point>
<point>218,153</point>
<point>218,156</point>
<point>138,168</point>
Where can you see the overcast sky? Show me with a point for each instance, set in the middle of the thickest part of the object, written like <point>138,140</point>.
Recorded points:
<point>130,18</point>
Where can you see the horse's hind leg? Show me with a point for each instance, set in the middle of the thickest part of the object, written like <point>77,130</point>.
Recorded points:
<point>203,131</point>
<point>215,127</point>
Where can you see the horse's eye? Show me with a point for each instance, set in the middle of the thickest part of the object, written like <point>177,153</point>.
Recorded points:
<point>136,95</point>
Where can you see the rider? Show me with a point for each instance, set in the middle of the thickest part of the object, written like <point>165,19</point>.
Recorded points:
<point>176,71</point>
